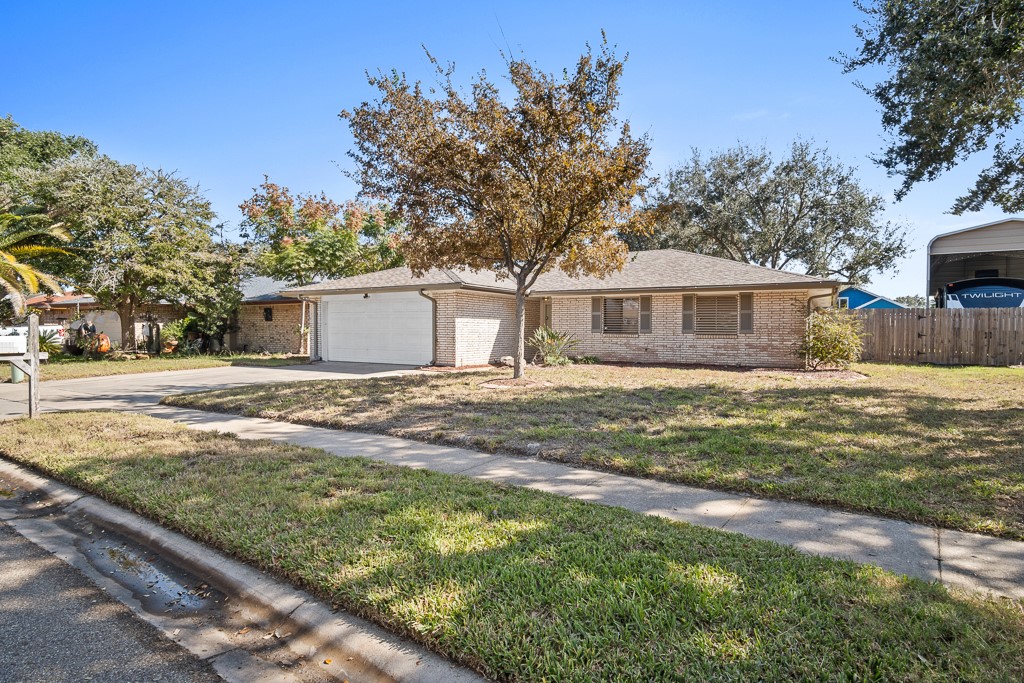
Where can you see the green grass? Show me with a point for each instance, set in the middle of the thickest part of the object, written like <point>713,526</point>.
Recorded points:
<point>522,585</point>
<point>943,446</point>
<point>75,367</point>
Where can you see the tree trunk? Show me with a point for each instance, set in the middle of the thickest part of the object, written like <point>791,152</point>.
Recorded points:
<point>126,311</point>
<point>519,368</point>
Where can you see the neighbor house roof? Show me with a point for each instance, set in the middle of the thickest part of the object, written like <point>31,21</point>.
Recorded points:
<point>644,271</point>
<point>871,297</point>
<point>71,299</point>
<point>60,300</point>
<point>260,290</point>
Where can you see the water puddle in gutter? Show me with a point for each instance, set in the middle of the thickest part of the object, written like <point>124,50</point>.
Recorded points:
<point>160,587</point>
<point>166,590</point>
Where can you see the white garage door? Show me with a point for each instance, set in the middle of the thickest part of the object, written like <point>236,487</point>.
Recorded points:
<point>395,327</point>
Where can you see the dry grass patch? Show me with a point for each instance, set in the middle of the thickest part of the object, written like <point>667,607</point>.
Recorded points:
<point>938,445</point>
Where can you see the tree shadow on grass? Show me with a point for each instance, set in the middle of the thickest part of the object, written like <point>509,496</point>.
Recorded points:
<point>523,585</point>
<point>951,462</point>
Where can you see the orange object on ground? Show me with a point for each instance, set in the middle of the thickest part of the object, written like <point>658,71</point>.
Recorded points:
<point>102,343</point>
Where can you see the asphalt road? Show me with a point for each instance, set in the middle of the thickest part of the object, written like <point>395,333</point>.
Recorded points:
<point>57,626</point>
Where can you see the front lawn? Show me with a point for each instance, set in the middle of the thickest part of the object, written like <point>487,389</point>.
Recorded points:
<point>527,586</point>
<point>74,367</point>
<point>938,445</point>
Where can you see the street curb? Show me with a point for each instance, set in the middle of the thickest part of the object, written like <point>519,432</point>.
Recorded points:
<point>312,623</point>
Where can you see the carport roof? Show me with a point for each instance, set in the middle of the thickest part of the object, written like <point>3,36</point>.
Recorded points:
<point>644,271</point>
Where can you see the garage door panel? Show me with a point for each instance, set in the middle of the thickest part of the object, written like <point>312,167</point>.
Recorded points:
<point>383,328</point>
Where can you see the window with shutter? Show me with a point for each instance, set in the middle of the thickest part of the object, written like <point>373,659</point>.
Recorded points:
<point>645,315</point>
<point>746,313</point>
<point>717,315</point>
<point>688,312</point>
<point>597,315</point>
<point>622,316</point>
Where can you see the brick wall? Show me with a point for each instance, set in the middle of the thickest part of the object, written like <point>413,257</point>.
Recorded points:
<point>474,328</point>
<point>778,327</point>
<point>280,335</point>
<point>532,323</point>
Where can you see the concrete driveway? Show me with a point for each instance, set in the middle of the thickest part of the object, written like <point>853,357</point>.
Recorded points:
<point>132,392</point>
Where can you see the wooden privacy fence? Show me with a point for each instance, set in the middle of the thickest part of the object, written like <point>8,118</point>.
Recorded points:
<point>945,336</point>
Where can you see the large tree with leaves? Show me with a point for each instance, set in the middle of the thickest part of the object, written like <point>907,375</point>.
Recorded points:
<point>23,149</point>
<point>954,89</point>
<point>303,238</point>
<point>139,235</point>
<point>30,240</point>
<point>546,179</point>
<point>805,212</point>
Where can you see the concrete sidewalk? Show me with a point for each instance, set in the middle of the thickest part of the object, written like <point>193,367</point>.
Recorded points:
<point>965,560</point>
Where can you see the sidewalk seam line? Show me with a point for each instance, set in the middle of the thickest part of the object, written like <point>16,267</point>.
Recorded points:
<point>475,465</point>
<point>746,501</point>
<point>595,480</point>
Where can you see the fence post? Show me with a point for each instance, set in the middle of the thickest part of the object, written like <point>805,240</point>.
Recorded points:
<point>33,376</point>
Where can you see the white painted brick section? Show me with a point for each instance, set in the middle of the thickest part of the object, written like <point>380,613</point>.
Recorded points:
<point>474,328</point>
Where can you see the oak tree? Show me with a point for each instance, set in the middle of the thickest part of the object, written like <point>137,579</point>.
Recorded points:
<point>805,212</point>
<point>30,241</point>
<point>140,236</point>
<point>545,179</point>
<point>954,88</point>
<point>22,149</point>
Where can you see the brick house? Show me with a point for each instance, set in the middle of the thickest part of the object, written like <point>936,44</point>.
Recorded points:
<point>664,306</point>
<point>63,309</point>
<point>267,321</point>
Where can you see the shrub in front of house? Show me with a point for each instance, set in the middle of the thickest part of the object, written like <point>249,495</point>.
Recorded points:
<point>553,347</point>
<point>834,338</point>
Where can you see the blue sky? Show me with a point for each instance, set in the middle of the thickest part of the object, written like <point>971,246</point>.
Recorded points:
<point>225,92</point>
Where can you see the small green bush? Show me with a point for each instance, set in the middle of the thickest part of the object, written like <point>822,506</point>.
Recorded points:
<point>587,360</point>
<point>49,342</point>
<point>178,330</point>
<point>553,347</point>
<point>834,338</point>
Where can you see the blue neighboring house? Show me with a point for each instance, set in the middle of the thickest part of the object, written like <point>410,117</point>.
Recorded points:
<point>855,297</point>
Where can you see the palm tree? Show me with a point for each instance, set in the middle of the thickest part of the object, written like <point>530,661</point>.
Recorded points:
<point>19,241</point>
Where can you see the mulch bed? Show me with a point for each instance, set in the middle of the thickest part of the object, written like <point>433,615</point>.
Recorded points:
<point>510,383</point>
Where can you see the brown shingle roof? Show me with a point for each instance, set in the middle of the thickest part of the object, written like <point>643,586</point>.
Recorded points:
<point>402,278</point>
<point>674,269</point>
<point>663,269</point>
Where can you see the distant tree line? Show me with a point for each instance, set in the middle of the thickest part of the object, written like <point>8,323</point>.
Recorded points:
<point>71,217</point>
<point>805,212</point>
